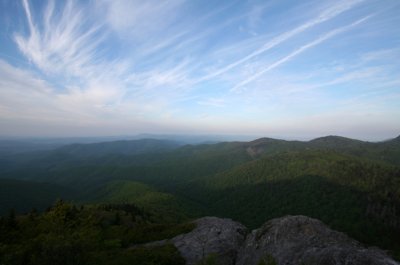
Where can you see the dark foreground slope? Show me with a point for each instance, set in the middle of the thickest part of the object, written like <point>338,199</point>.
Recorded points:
<point>90,234</point>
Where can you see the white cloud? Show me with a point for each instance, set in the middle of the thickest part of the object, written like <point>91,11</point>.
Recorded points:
<point>68,46</point>
<point>27,101</point>
<point>379,55</point>
<point>22,95</point>
<point>140,19</point>
<point>144,62</point>
<point>213,102</point>
<point>297,52</point>
<point>327,15</point>
<point>62,42</point>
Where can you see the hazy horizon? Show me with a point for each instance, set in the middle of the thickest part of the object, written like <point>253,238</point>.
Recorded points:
<point>189,138</point>
<point>280,69</point>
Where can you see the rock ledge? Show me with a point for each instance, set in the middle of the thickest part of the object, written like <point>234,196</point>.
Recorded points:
<point>290,240</point>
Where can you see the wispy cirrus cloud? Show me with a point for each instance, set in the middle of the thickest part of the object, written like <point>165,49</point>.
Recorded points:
<point>213,102</point>
<point>69,44</point>
<point>299,51</point>
<point>382,55</point>
<point>326,15</point>
<point>132,65</point>
<point>141,19</point>
<point>61,42</point>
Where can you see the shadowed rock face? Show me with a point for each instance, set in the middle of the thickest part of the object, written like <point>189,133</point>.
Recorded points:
<point>303,240</point>
<point>212,235</point>
<point>290,240</point>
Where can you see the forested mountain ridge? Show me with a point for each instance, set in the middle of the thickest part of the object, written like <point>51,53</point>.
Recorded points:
<point>351,194</point>
<point>121,147</point>
<point>166,152</point>
<point>351,185</point>
<point>365,174</point>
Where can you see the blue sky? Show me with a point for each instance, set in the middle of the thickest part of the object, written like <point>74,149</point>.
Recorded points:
<point>281,68</point>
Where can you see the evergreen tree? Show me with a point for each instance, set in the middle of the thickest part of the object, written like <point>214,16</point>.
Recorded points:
<point>11,219</point>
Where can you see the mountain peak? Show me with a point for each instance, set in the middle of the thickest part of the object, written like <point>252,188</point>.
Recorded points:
<point>335,141</point>
<point>264,140</point>
<point>332,138</point>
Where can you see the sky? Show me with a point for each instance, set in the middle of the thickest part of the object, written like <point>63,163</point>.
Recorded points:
<point>281,68</point>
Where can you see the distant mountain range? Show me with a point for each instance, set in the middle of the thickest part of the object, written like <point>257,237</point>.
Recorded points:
<point>352,185</point>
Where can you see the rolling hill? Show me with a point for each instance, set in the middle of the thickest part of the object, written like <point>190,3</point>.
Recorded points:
<point>162,205</point>
<point>131,147</point>
<point>23,196</point>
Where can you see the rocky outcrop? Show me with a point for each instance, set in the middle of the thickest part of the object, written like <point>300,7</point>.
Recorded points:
<point>212,236</point>
<point>303,240</point>
<point>290,240</point>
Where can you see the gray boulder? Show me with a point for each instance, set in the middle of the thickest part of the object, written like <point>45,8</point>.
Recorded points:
<point>297,240</point>
<point>290,240</point>
<point>220,238</point>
